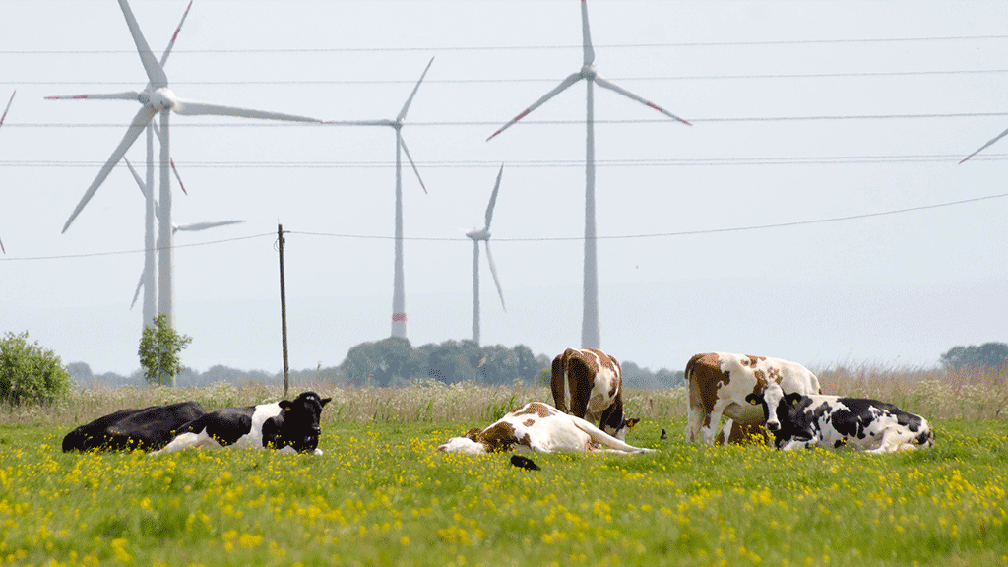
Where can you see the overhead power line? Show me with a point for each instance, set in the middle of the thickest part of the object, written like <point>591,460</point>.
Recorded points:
<point>736,43</point>
<point>535,163</point>
<point>547,80</point>
<point>543,238</point>
<point>488,123</point>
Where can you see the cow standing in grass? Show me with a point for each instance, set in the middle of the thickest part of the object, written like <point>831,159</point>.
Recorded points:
<point>588,383</point>
<point>719,383</point>
<point>798,422</point>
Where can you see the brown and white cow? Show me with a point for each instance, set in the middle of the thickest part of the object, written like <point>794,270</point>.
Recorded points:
<point>588,383</point>
<point>719,383</point>
<point>539,428</point>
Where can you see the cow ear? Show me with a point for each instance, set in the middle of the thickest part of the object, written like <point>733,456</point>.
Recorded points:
<point>325,401</point>
<point>752,399</point>
<point>793,399</point>
<point>285,405</point>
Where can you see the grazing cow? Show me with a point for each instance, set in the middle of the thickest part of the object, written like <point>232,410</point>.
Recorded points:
<point>147,429</point>
<point>588,383</point>
<point>798,421</point>
<point>287,426</point>
<point>540,428</point>
<point>719,383</point>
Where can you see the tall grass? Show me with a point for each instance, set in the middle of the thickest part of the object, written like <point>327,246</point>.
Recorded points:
<point>935,394</point>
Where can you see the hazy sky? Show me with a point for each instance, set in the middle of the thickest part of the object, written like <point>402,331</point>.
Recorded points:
<point>802,111</point>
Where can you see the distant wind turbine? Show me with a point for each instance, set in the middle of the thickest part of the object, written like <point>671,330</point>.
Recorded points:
<point>398,277</point>
<point>147,279</point>
<point>150,305</point>
<point>589,326</point>
<point>484,235</point>
<point>157,99</point>
<point>2,117</point>
<point>983,147</point>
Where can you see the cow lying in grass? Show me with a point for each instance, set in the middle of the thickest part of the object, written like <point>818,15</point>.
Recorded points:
<point>148,429</point>
<point>540,428</point>
<point>286,426</point>
<point>798,421</point>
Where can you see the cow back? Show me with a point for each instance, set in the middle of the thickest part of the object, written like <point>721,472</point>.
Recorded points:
<point>149,429</point>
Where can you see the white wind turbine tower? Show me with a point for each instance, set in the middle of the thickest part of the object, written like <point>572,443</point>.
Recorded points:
<point>589,326</point>
<point>484,234</point>
<point>157,99</point>
<point>398,278</point>
<point>4,115</point>
<point>149,277</point>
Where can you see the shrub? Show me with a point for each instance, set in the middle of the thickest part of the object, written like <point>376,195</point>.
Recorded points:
<point>29,374</point>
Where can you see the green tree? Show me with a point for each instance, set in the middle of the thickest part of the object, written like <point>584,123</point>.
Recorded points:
<point>30,374</point>
<point>989,355</point>
<point>159,351</point>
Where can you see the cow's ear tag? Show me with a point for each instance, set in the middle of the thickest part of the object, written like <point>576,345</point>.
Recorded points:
<point>794,402</point>
<point>752,402</point>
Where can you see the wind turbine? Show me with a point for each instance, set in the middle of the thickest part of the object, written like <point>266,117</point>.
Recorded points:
<point>4,115</point>
<point>983,147</point>
<point>484,235</point>
<point>158,100</point>
<point>147,279</point>
<point>589,325</point>
<point>150,306</point>
<point>398,278</point>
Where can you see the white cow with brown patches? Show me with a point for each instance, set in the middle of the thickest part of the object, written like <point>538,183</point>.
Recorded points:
<point>588,383</point>
<point>719,383</point>
<point>537,427</point>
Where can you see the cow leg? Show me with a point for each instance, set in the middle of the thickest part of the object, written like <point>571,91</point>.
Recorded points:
<point>893,439</point>
<point>558,384</point>
<point>710,429</point>
<point>189,441</point>
<point>694,412</point>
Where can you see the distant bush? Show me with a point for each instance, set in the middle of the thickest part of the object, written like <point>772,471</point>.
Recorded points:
<point>29,374</point>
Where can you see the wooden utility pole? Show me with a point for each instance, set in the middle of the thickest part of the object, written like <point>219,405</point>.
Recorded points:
<point>283,308</point>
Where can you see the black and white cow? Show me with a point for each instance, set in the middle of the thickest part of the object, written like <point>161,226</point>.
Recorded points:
<point>286,426</point>
<point>798,421</point>
<point>148,429</point>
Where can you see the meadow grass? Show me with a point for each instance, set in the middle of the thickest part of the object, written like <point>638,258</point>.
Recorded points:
<point>382,495</point>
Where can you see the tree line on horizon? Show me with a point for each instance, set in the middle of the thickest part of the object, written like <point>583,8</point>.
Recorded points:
<point>393,362</point>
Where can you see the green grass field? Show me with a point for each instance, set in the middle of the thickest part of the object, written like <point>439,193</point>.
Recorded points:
<point>382,495</point>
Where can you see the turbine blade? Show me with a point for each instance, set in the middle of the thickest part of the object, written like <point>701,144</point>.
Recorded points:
<point>140,183</point>
<point>171,42</point>
<point>129,95</point>
<point>493,272</point>
<point>136,293</point>
<point>996,138</point>
<point>195,108</point>
<point>2,247</point>
<point>560,88</point>
<point>4,115</point>
<point>493,198</point>
<point>608,85</point>
<point>145,114</point>
<point>589,51</point>
<point>155,73</point>
<point>195,226</point>
<point>385,122</point>
<point>405,108</point>
<point>175,171</point>
<point>413,165</point>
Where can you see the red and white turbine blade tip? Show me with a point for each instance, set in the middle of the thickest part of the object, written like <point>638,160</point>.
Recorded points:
<point>2,247</point>
<point>175,171</point>
<point>985,146</point>
<point>8,108</point>
<point>171,42</point>
<point>564,85</point>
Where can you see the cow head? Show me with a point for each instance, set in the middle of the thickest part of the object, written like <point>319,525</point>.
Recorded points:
<point>298,423</point>
<point>624,427</point>
<point>779,410</point>
<point>468,444</point>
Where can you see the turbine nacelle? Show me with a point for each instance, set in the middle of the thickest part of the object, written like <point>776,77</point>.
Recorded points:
<point>162,99</point>
<point>479,234</point>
